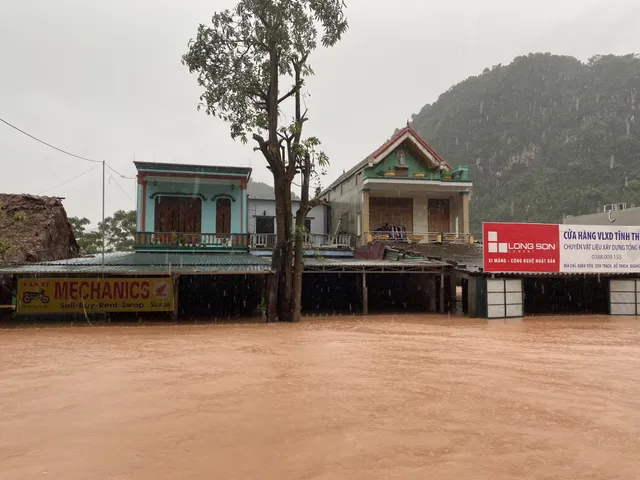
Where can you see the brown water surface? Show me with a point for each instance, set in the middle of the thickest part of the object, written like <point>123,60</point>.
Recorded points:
<point>345,398</point>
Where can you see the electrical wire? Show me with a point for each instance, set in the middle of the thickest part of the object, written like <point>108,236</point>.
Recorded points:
<point>118,173</point>
<point>63,151</point>
<point>48,144</point>
<point>121,189</point>
<point>70,180</point>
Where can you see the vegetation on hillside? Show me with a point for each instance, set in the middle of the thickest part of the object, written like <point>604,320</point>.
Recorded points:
<point>263,190</point>
<point>545,136</point>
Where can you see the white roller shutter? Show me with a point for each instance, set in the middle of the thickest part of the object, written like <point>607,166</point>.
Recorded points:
<point>624,297</point>
<point>504,298</point>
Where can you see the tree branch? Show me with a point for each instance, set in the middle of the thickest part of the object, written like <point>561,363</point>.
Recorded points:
<point>317,201</point>
<point>290,92</point>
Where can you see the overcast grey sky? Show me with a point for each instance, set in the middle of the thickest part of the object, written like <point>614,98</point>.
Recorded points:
<point>103,79</point>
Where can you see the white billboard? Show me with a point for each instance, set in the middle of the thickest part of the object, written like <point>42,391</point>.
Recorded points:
<point>599,249</point>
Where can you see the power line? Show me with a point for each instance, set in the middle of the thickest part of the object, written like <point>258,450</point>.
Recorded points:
<point>69,181</point>
<point>63,151</point>
<point>118,173</point>
<point>121,189</point>
<point>48,144</point>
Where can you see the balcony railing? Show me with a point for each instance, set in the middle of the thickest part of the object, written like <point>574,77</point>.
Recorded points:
<point>312,241</point>
<point>221,241</point>
<point>399,236</point>
<point>235,241</point>
<point>458,174</point>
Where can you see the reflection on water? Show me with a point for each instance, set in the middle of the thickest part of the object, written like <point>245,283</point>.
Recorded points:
<point>339,398</point>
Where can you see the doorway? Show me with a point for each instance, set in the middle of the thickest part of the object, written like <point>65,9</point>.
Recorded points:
<point>438,211</point>
<point>223,216</point>
<point>178,214</point>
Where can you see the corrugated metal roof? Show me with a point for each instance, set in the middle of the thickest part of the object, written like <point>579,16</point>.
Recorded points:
<point>353,262</point>
<point>133,263</point>
<point>464,256</point>
<point>140,263</point>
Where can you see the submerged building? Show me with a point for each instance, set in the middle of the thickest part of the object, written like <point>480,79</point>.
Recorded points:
<point>404,191</point>
<point>202,244</point>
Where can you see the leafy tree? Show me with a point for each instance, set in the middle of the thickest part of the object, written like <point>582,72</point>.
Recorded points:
<point>118,231</point>
<point>89,242</point>
<point>241,60</point>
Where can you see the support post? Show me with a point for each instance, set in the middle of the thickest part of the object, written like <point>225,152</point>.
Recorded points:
<point>442,293</point>
<point>454,293</point>
<point>431,293</point>
<point>176,304</point>
<point>465,212</point>
<point>365,230</point>
<point>103,226</point>
<point>365,295</point>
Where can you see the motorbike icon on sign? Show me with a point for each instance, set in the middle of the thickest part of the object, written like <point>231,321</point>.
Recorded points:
<point>27,297</point>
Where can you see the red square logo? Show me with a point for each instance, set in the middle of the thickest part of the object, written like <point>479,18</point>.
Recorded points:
<point>521,247</point>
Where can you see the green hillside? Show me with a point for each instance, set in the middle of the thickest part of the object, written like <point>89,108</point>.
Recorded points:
<point>263,190</point>
<point>545,136</point>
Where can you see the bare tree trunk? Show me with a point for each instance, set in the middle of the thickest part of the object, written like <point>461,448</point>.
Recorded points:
<point>284,310</point>
<point>280,285</point>
<point>298,261</point>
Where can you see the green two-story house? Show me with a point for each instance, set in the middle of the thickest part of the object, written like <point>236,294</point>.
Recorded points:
<point>404,191</point>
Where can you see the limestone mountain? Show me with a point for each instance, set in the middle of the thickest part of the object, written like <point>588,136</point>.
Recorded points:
<point>545,136</point>
<point>262,190</point>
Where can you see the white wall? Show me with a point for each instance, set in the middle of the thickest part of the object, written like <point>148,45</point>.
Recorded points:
<point>257,208</point>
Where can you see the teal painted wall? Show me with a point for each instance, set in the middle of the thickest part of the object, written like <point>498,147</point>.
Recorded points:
<point>208,205</point>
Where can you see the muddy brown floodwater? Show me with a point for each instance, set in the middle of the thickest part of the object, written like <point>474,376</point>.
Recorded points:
<point>344,398</point>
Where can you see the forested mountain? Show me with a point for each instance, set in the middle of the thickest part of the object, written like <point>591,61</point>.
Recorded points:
<point>263,190</point>
<point>545,136</point>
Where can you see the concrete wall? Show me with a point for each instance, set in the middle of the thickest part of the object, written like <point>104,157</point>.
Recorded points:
<point>265,207</point>
<point>208,206</point>
<point>346,204</point>
<point>629,217</point>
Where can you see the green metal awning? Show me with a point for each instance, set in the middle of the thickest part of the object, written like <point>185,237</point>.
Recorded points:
<point>148,263</point>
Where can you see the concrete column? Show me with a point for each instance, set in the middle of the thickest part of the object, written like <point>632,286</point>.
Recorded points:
<point>472,294</point>
<point>364,238</point>
<point>454,303</point>
<point>142,204</point>
<point>464,222</point>
<point>442,293</point>
<point>454,211</point>
<point>365,295</point>
<point>431,293</point>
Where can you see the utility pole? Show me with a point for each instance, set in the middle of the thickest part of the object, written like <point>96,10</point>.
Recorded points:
<point>103,226</point>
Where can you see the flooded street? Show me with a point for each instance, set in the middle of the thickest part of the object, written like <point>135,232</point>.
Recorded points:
<point>342,398</point>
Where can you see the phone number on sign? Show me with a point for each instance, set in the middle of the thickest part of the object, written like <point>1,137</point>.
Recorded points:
<point>605,256</point>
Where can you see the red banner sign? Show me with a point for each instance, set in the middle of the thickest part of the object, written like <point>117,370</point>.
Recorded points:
<point>521,247</point>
